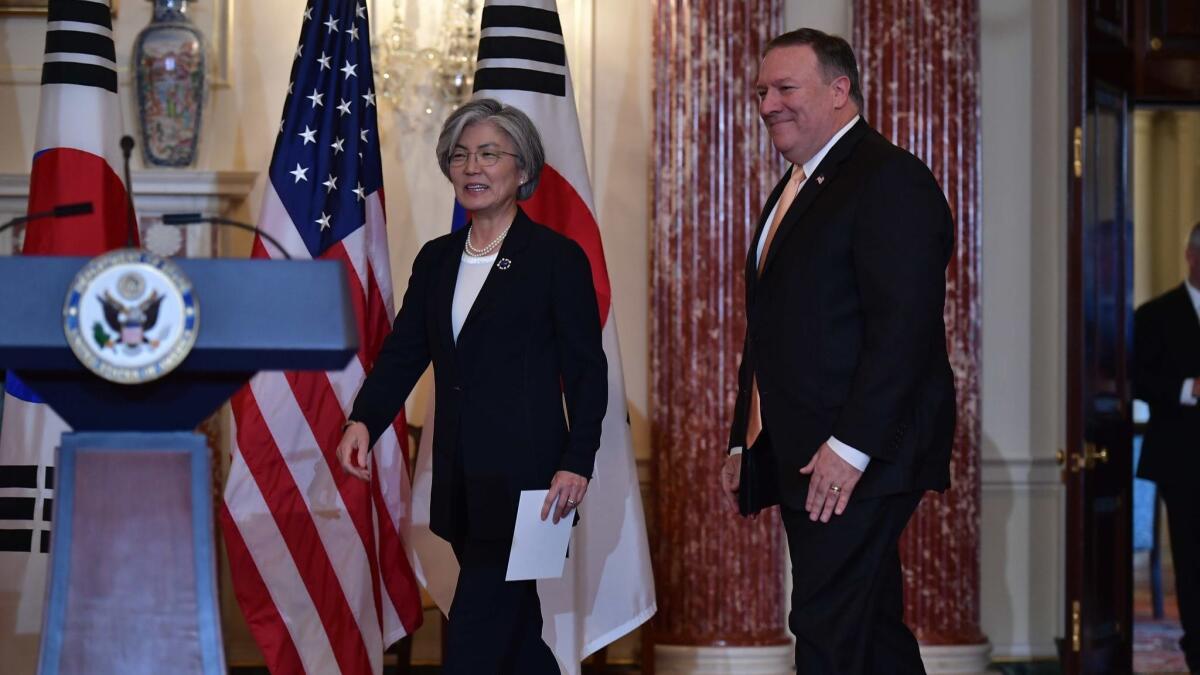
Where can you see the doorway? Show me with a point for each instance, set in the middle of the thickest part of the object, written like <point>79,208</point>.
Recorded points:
<point>1124,55</point>
<point>1166,144</point>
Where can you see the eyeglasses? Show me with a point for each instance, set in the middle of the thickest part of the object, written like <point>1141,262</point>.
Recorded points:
<point>483,157</point>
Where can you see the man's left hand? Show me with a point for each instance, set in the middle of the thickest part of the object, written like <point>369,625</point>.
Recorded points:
<point>831,483</point>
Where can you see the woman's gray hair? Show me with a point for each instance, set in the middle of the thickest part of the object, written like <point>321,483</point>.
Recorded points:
<point>530,155</point>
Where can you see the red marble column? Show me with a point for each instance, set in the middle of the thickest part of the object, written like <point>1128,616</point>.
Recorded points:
<point>920,70</point>
<point>719,577</point>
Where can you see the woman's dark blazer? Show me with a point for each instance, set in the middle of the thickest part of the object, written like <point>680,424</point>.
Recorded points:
<point>531,338</point>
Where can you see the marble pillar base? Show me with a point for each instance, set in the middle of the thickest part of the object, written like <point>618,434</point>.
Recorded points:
<point>777,660</point>
<point>956,659</point>
<point>678,660</point>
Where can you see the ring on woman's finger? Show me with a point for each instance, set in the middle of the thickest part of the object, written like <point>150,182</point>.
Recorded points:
<point>572,502</point>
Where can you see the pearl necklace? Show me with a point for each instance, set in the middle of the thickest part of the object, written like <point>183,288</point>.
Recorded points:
<point>486,250</point>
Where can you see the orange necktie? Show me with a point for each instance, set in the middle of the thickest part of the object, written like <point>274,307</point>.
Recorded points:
<point>785,202</point>
<point>754,424</point>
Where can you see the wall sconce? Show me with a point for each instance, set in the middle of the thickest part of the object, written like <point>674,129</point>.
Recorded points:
<point>422,86</point>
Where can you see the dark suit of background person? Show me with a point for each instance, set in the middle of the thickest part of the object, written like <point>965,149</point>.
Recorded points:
<point>1166,364</point>
<point>846,338</point>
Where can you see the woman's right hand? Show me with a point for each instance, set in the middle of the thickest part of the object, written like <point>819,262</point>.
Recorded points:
<point>354,446</point>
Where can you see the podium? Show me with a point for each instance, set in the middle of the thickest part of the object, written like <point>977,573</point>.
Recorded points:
<point>132,583</point>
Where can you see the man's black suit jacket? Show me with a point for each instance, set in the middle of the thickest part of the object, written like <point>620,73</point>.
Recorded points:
<point>844,328</point>
<point>531,338</point>
<point>1166,351</point>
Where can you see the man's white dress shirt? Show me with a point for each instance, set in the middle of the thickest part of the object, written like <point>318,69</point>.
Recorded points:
<point>1185,396</point>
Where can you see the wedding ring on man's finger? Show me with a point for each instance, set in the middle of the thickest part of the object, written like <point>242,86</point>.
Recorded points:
<point>835,488</point>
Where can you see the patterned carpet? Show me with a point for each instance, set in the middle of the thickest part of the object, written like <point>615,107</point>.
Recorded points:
<point>1156,643</point>
<point>1156,647</point>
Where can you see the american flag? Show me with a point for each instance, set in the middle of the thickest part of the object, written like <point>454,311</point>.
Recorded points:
<point>317,556</point>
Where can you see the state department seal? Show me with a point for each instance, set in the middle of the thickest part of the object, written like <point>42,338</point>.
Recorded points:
<point>131,316</point>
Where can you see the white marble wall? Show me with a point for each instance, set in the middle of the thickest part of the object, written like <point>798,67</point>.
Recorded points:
<point>1024,125</point>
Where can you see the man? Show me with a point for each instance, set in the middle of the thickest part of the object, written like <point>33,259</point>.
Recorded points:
<point>1166,375</point>
<point>844,378</point>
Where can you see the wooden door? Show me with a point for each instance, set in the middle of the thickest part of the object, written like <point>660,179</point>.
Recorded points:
<point>1098,459</point>
<point>1167,51</point>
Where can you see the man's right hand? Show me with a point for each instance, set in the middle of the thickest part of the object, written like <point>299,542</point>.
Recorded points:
<point>731,478</point>
<point>354,444</point>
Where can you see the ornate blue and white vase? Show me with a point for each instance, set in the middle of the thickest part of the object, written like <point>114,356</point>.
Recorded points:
<point>170,63</point>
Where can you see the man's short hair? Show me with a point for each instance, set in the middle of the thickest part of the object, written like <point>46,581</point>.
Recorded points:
<point>833,53</point>
<point>1194,237</point>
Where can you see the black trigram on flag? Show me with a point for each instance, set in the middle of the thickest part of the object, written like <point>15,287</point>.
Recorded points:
<point>79,45</point>
<point>26,500</point>
<point>521,48</point>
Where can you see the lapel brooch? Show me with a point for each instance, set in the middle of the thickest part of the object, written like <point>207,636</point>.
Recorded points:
<point>503,263</point>
<point>820,180</point>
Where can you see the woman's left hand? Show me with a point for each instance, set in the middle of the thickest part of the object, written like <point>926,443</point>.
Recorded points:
<point>567,489</point>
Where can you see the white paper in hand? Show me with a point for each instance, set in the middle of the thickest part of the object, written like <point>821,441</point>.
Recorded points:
<point>539,547</point>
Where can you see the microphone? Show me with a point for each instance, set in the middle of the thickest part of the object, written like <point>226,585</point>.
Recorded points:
<point>79,209</point>
<point>131,217</point>
<point>60,211</point>
<point>185,219</point>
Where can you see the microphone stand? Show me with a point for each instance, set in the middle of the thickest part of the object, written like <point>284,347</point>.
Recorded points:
<point>60,211</point>
<point>131,237</point>
<point>186,219</point>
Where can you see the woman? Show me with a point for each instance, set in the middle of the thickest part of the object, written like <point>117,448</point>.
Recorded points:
<point>506,311</point>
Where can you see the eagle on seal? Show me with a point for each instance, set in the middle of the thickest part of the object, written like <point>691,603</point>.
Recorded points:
<point>131,322</point>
